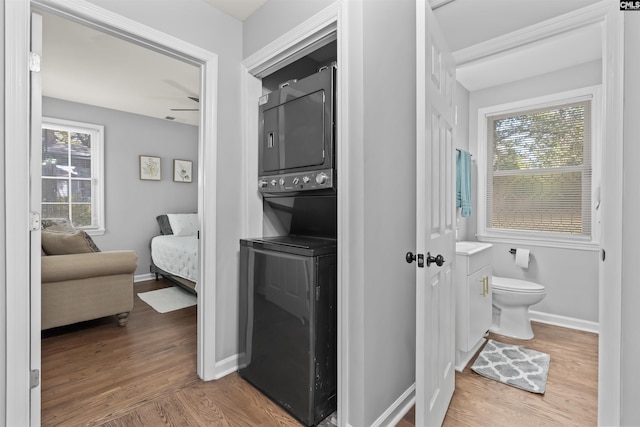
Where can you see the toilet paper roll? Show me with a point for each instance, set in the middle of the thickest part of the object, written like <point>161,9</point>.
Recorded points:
<point>522,257</point>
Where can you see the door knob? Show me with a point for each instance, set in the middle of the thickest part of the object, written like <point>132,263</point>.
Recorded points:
<point>438,259</point>
<point>410,257</point>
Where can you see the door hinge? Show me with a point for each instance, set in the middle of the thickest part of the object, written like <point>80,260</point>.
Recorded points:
<point>34,378</point>
<point>317,293</point>
<point>34,62</point>
<point>34,221</point>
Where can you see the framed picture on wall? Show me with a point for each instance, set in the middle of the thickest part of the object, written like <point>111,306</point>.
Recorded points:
<point>150,168</point>
<point>182,170</point>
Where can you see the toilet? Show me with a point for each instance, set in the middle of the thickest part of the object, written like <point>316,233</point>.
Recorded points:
<point>511,301</point>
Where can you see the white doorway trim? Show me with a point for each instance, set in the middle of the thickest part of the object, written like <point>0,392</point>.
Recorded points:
<point>16,354</point>
<point>17,117</point>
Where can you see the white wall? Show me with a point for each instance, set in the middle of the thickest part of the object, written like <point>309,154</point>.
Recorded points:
<point>630,410</point>
<point>201,25</point>
<point>570,276</point>
<point>131,204</point>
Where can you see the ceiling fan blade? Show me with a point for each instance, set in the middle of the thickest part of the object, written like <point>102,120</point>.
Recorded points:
<point>184,109</point>
<point>193,98</point>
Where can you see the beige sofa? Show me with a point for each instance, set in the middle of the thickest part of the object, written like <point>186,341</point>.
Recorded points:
<point>83,286</point>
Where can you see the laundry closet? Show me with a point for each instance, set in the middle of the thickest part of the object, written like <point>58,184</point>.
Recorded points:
<point>288,275</point>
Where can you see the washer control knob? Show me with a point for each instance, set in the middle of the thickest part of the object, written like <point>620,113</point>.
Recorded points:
<point>281,181</point>
<point>306,179</point>
<point>296,180</point>
<point>322,178</point>
<point>263,183</point>
<point>274,182</point>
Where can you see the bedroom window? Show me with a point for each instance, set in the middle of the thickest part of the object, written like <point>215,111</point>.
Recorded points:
<point>72,173</point>
<point>539,171</point>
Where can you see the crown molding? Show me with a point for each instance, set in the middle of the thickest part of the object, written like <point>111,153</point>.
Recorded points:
<point>588,15</point>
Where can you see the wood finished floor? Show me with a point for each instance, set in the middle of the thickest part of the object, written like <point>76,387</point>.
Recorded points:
<point>97,374</point>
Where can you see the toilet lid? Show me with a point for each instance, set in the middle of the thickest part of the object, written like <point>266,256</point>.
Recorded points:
<point>509,284</point>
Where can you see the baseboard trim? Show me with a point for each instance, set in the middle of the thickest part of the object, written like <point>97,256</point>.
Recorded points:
<point>398,409</point>
<point>143,277</point>
<point>565,322</point>
<point>226,366</point>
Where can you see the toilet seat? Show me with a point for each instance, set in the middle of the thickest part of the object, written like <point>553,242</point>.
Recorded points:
<point>508,284</point>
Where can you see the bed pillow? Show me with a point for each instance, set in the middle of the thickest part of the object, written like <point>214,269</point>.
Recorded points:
<point>60,243</point>
<point>165,226</point>
<point>183,224</point>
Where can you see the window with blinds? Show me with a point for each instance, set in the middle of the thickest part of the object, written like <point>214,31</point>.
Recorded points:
<point>72,173</point>
<point>539,170</point>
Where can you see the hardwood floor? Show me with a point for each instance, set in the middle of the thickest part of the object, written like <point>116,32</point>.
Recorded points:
<point>570,399</point>
<point>144,374</point>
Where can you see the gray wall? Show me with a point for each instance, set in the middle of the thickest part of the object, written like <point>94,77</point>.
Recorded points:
<point>569,275</point>
<point>3,278</point>
<point>201,25</point>
<point>389,203</point>
<point>131,204</point>
<point>630,410</point>
<point>274,19</point>
<point>462,143</point>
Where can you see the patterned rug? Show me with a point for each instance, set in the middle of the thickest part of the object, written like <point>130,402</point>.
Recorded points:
<point>513,365</point>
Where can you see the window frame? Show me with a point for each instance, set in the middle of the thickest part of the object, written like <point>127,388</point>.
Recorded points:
<point>97,167</point>
<point>541,238</point>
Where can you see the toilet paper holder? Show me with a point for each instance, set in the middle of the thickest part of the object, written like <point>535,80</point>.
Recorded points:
<point>512,251</point>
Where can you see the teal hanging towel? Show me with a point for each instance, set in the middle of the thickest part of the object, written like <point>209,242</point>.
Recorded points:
<point>463,182</point>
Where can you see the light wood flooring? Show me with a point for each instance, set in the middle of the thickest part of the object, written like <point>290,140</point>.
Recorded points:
<point>144,374</point>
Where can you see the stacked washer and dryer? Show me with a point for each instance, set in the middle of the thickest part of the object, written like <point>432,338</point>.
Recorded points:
<point>288,295</point>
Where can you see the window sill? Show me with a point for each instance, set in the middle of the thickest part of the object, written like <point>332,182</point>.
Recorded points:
<point>94,231</point>
<point>539,241</point>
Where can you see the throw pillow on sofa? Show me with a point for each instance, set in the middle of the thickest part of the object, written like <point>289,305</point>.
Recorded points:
<point>58,224</point>
<point>60,243</point>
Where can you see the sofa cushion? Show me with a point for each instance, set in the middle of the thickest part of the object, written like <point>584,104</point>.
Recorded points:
<point>59,243</point>
<point>85,266</point>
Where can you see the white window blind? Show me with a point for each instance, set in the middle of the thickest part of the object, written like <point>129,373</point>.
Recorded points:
<point>72,173</point>
<point>539,170</point>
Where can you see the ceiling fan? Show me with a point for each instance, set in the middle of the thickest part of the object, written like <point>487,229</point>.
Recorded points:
<point>193,98</point>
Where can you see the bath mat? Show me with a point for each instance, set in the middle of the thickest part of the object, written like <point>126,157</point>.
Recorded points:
<point>513,365</point>
<point>168,299</point>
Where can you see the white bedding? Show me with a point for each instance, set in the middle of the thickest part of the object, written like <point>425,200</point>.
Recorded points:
<point>177,255</point>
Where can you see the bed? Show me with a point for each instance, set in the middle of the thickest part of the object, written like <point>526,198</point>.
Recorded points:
<point>174,253</point>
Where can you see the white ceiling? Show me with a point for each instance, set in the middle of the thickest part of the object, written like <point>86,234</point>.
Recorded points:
<point>84,65</point>
<point>467,23</point>
<point>239,9</point>
<point>566,50</point>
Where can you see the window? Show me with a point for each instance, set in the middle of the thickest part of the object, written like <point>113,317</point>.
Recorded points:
<point>72,173</point>
<point>539,171</point>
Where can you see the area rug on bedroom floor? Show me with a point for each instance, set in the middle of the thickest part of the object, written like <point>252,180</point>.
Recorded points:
<point>513,365</point>
<point>168,299</point>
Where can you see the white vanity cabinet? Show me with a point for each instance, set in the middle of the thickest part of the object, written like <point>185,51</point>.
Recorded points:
<point>472,277</point>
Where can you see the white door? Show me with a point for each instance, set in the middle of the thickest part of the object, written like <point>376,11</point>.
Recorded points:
<point>435,217</point>
<point>34,201</point>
